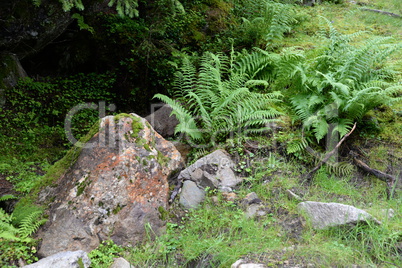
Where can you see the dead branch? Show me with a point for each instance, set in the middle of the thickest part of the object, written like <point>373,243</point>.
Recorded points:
<point>328,155</point>
<point>387,178</point>
<point>382,12</point>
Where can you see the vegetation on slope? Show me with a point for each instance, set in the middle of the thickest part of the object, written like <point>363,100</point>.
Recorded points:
<point>333,64</point>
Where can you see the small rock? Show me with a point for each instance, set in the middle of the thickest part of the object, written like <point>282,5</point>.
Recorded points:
<point>121,263</point>
<point>252,265</point>
<point>251,198</point>
<point>231,197</point>
<point>67,259</point>
<point>242,264</point>
<point>255,210</point>
<point>213,171</point>
<point>162,121</point>
<point>191,196</point>
<point>215,199</point>
<point>388,213</point>
<point>325,215</point>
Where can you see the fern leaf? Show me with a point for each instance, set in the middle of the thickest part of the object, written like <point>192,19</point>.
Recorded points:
<point>296,146</point>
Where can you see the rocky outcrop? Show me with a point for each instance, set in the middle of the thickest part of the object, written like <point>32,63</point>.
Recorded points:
<point>214,171</point>
<point>69,259</point>
<point>115,189</point>
<point>26,29</point>
<point>10,72</point>
<point>323,215</point>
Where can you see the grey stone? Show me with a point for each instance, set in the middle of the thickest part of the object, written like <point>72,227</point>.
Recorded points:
<point>255,210</point>
<point>251,198</point>
<point>191,196</point>
<point>242,264</point>
<point>163,122</point>
<point>67,259</point>
<point>216,167</point>
<point>323,215</point>
<point>11,72</point>
<point>213,171</point>
<point>121,263</point>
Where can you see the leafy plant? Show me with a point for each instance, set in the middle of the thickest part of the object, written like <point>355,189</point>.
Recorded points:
<point>104,254</point>
<point>342,83</point>
<point>274,20</point>
<point>217,102</point>
<point>16,242</point>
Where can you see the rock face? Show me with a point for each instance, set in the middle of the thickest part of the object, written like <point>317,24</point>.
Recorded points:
<point>323,215</point>
<point>213,171</point>
<point>10,72</point>
<point>26,29</point>
<point>115,188</point>
<point>69,259</point>
<point>162,121</point>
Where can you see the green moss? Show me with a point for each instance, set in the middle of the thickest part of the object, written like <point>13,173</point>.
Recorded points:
<point>81,186</point>
<point>144,162</point>
<point>80,263</point>
<point>122,115</point>
<point>136,126</point>
<point>163,213</point>
<point>117,209</point>
<point>58,169</point>
<point>146,147</point>
<point>162,160</point>
<point>141,142</point>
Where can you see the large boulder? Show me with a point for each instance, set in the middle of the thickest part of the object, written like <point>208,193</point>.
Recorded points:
<point>323,215</point>
<point>115,189</point>
<point>69,259</point>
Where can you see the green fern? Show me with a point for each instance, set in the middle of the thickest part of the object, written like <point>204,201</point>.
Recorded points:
<point>30,224</point>
<point>20,233</point>
<point>217,101</point>
<point>81,23</point>
<point>274,20</point>
<point>125,7</point>
<point>342,84</point>
<point>340,168</point>
<point>69,4</point>
<point>7,197</point>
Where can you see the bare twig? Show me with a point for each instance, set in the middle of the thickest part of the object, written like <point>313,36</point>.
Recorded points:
<point>328,155</point>
<point>382,12</point>
<point>387,178</point>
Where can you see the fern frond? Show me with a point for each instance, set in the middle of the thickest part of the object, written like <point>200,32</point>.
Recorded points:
<point>7,197</point>
<point>30,224</point>
<point>296,146</point>
<point>217,100</point>
<point>340,168</point>
<point>187,123</point>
